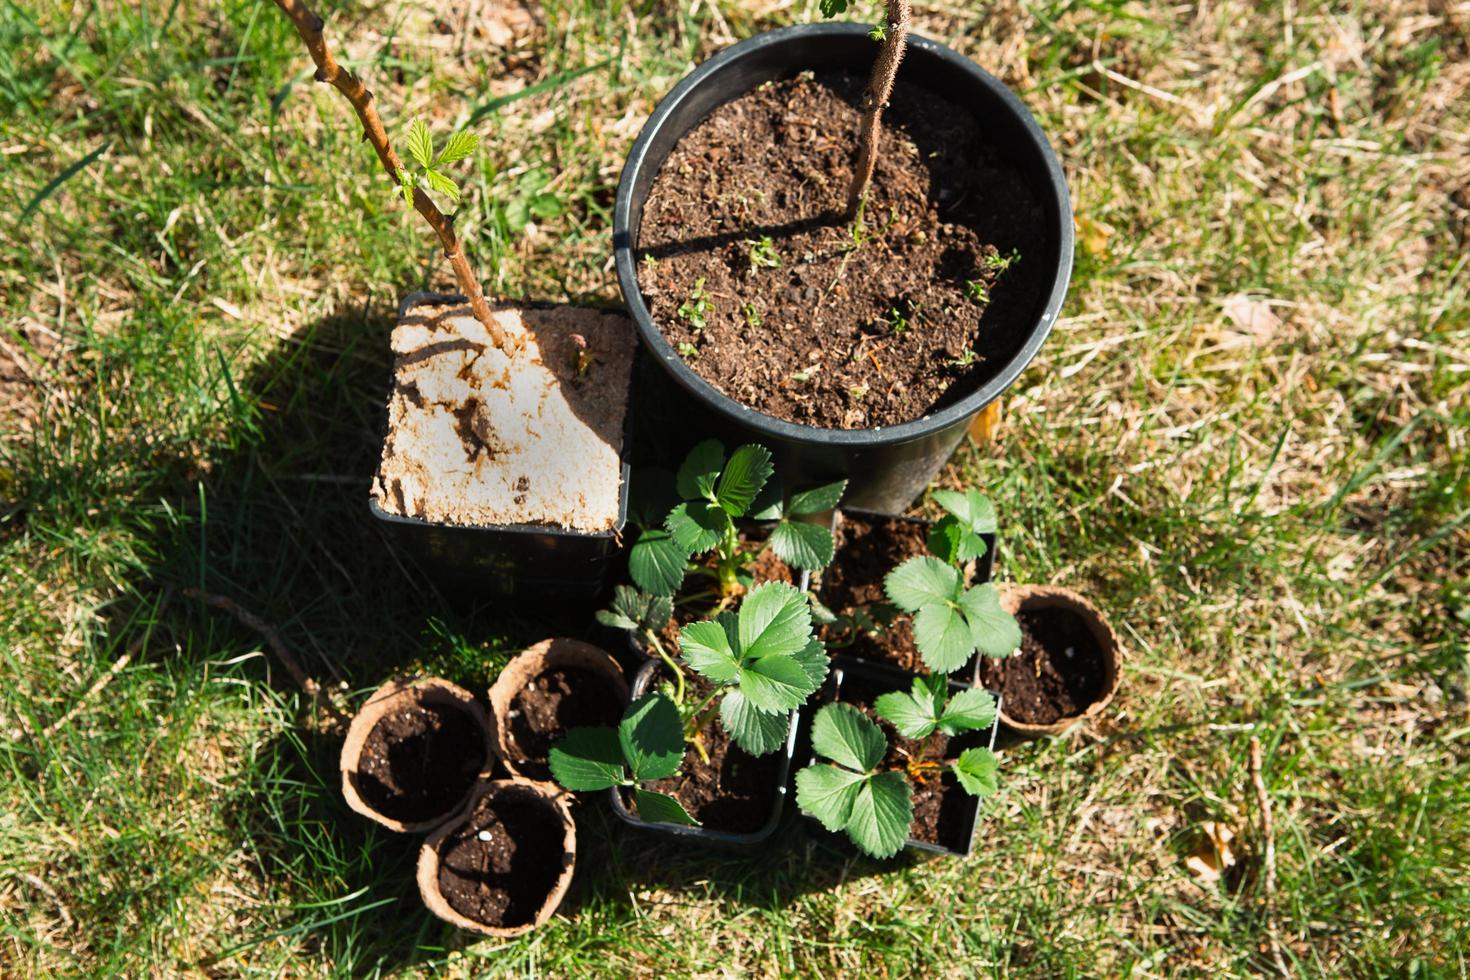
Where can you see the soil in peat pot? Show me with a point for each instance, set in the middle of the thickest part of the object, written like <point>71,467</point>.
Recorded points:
<point>1058,673</point>
<point>734,791</point>
<point>554,701</point>
<point>867,550</point>
<point>855,328</point>
<point>942,809</point>
<point>499,866</point>
<point>420,761</point>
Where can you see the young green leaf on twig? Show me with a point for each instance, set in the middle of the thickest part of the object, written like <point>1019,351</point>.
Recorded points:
<point>431,175</point>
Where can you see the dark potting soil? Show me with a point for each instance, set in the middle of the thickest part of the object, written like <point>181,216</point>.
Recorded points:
<point>853,329</point>
<point>499,866</point>
<point>943,811</point>
<point>734,791</point>
<point>866,551</point>
<point>555,700</point>
<point>418,763</point>
<point>1057,674</point>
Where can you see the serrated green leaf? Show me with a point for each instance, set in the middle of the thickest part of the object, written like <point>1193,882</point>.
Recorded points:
<point>757,732</point>
<point>972,509</point>
<point>915,714</point>
<point>849,738</point>
<point>659,610</point>
<point>697,526</point>
<point>776,683</point>
<point>613,619</point>
<point>831,8</point>
<point>661,808</point>
<point>944,538</point>
<point>587,759</point>
<point>943,637</point>
<point>922,581</point>
<point>657,562</point>
<point>976,770</point>
<point>420,144</point>
<point>881,815</point>
<point>774,619</point>
<point>993,631</point>
<point>742,478</point>
<point>818,499</point>
<point>814,660</point>
<point>802,545</point>
<point>652,737</point>
<point>700,470</point>
<point>460,146</point>
<point>442,184</point>
<point>971,546</point>
<point>407,181</point>
<point>706,647</point>
<point>827,793</point>
<point>970,710</point>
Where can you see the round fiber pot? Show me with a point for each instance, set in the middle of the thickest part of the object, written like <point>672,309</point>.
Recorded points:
<point>887,467</point>
<point>414,752</point>
<point>521,738</point>
<point>503,864</point>
<point>1018,599</point>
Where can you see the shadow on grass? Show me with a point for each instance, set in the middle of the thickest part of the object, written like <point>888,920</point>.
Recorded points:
<point>280,525</point>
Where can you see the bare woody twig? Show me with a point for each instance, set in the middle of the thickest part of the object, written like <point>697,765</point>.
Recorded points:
<point>272,640</point>
<point>309,26</point>
<point>875,100</point>
<point>1268,835</point>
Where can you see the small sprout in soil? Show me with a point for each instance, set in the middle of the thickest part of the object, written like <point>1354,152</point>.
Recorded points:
<point>647,745</point>
<point>687,350</point>
<point>697,307</point>
<point>896,321</point>
<point>1001,263</point>
<point>977,290</point>
<point>802,377</point>
<point>714,492</point>
<point>649,261</point>
<point>763,254</point>
<point>430,174</point>
<point>582,357</point>
<point>966,358</point>
<point>752,315</point>
<point>875,806</point>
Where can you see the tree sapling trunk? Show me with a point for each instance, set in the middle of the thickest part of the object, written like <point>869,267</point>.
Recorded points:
<point>875,100</point>
<point>309,26</point>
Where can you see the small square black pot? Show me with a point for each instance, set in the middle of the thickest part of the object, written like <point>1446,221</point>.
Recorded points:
<point>984,568</point>
<point>531,564</point>
<point>888,678</point>
<point>642,683</point>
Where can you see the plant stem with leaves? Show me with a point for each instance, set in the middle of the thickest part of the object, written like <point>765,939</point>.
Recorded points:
<point>894,41</point>
<point>309,26</point>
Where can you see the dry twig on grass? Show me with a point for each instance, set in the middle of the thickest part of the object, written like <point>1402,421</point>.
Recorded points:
<point>1268,837</point>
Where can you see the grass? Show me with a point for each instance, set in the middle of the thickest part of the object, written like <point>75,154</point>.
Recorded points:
<point>1247,437</point>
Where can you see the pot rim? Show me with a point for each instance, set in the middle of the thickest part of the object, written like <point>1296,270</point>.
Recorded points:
<point>389,698</point>
<point>770,427</point>
<point>428,864</point>
<point>525,667</point>
<point>1016,598</point>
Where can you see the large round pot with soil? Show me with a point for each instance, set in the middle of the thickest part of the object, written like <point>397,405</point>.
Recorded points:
<point>853,347</point>
<point>414,752</point>
<point>503,865</point>
<point>550,687</point>
<point>1067,667</point>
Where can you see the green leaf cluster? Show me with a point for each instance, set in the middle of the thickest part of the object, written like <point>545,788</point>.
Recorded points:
<point>712,491</point>
<point>430,174</point>
<point>951,622</point>
<point>636,611</point>
<point>956,537</point>
<point>875,807</point>
<point>924,710</point>
<point>831,8</point>
<point>647,745</point>
<point>766,660</point>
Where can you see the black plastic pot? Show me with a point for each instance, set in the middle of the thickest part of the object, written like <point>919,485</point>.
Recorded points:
<point>886,678</point>
<point>886,467</point>
<point>984,568</point>
<point>644,682</point>
<point>528,563</point>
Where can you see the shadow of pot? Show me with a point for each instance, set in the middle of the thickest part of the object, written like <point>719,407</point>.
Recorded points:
<point>521,672</point>
<point>368,795</point>
<point>540,861</point>
<point>1016,599</point>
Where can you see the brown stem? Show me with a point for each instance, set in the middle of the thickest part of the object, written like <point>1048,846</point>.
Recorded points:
<point>309,26</point>
<point>875,100</point>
